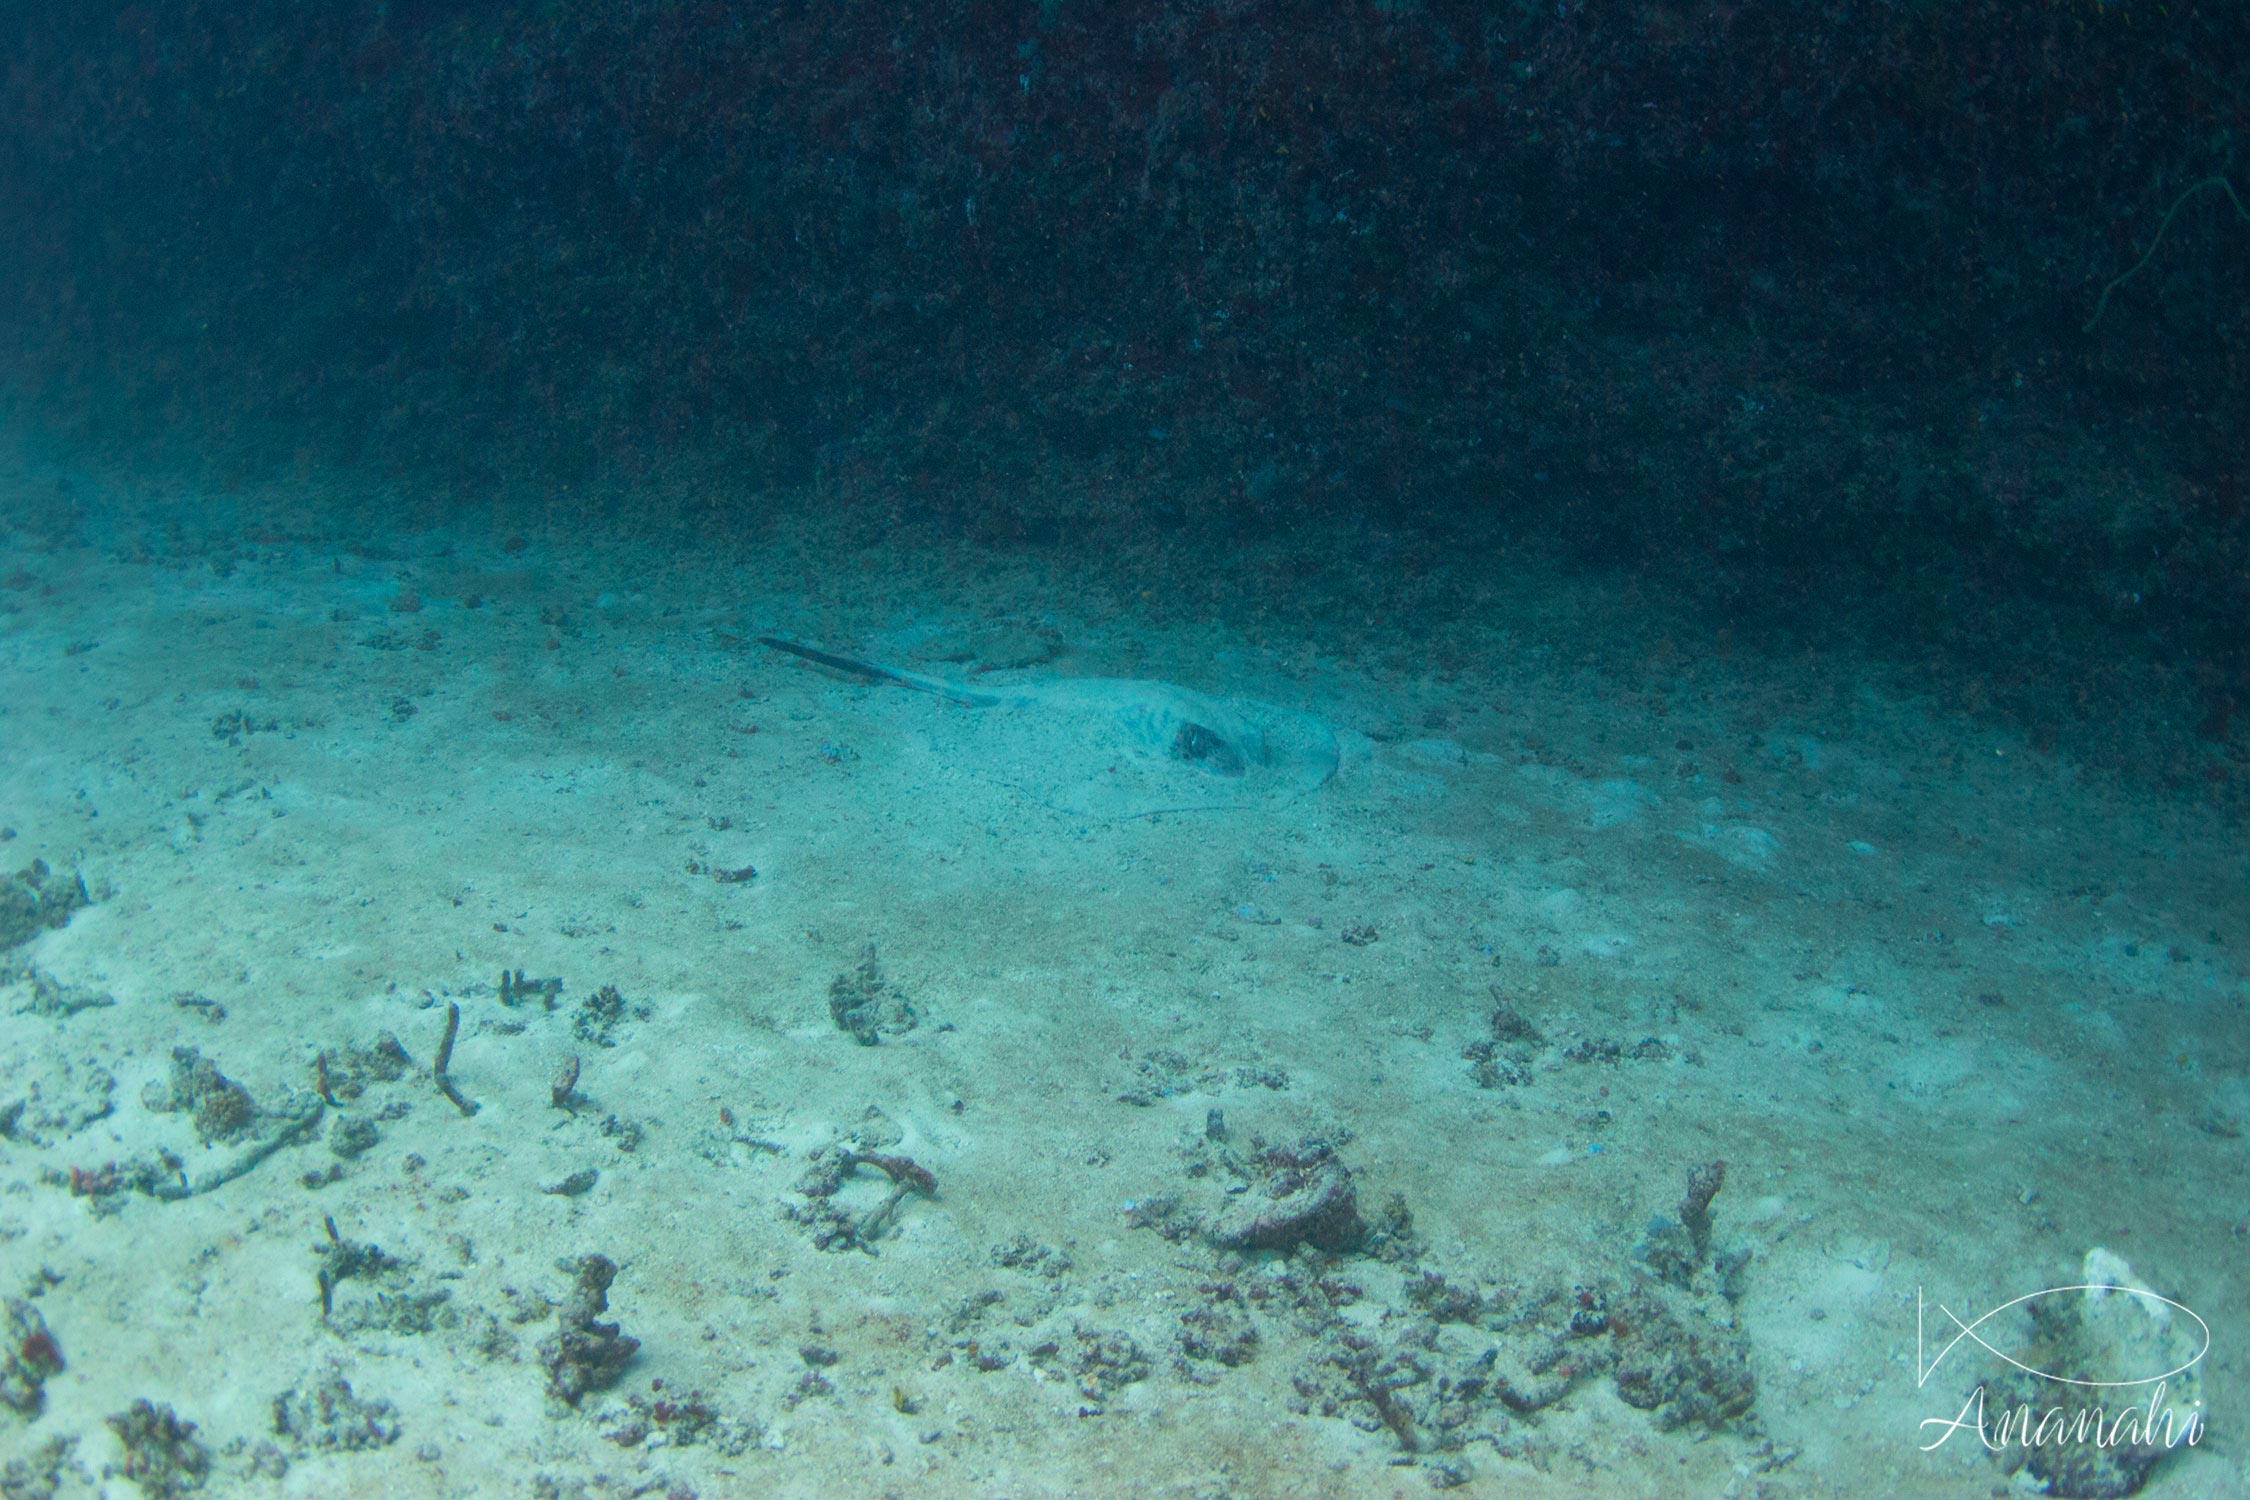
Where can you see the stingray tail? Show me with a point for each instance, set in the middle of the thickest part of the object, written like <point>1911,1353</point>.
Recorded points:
<point>877,672</point>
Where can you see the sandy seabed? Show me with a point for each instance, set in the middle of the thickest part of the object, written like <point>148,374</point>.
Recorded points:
<point>894,1130</point>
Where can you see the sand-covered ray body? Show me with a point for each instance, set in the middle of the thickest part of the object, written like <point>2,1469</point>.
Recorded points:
<point>1118,747</point>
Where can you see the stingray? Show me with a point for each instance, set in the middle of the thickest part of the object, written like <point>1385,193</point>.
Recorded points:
<point>1117,747</point>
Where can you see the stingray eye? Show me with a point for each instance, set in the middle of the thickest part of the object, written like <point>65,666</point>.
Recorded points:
<point>1199,746</point>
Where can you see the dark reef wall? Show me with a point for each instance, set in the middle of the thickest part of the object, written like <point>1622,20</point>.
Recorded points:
<point>1773,295</point>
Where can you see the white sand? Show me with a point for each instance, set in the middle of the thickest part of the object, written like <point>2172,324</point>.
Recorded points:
<point>1952,1011</point>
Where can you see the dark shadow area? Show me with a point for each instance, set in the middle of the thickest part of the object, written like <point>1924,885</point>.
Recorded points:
<point>1783,309</point>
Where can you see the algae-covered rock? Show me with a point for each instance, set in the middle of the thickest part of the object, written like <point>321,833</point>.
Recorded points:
<point>2109,1386</point>
<point>35,899</point>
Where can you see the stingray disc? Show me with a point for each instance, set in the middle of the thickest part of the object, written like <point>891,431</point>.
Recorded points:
<point>1110,747</point>
<point>1118,748</point>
